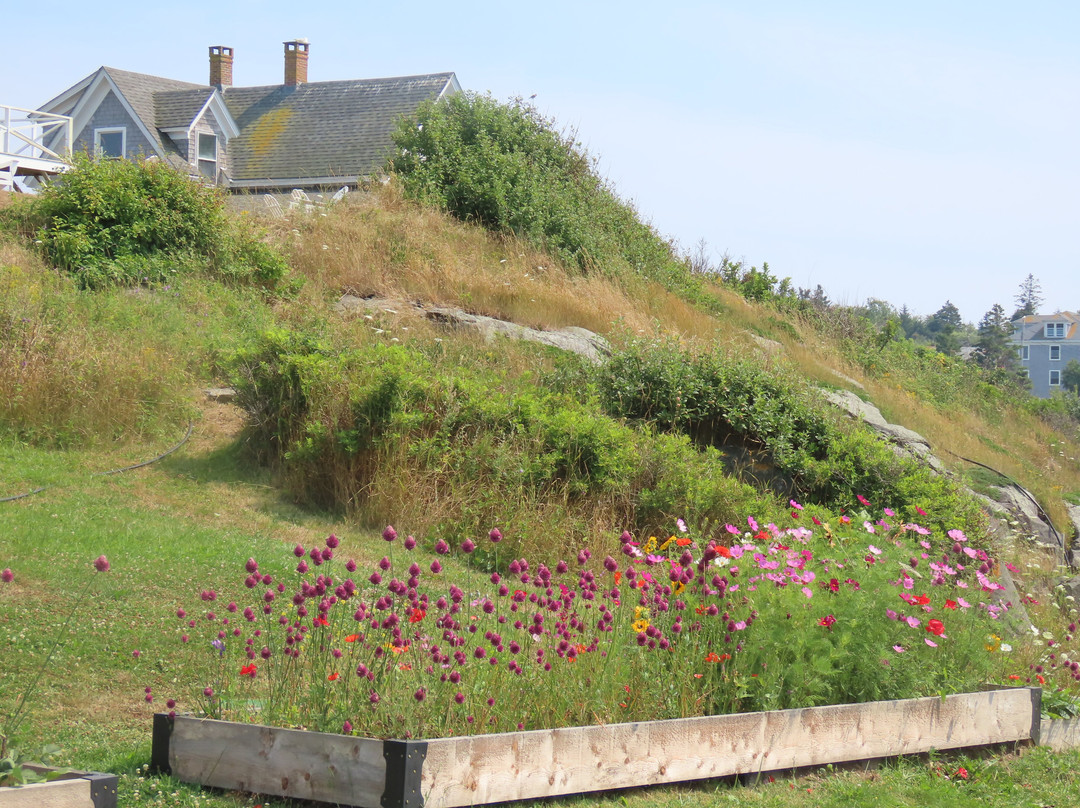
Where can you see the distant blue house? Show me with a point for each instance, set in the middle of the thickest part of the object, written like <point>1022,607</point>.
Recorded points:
<point>1045,343</point>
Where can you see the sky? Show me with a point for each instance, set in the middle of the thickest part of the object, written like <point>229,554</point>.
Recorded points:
<point>913,153</point>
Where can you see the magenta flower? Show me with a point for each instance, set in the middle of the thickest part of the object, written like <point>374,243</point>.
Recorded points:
<point>468,546</point>
<point>251,565</point>
<point>495,535</point>
<point>101,564</point>
<point>389,534</point>
<point>332,541</point>
<point>346,728</point>
<point>7,576</point>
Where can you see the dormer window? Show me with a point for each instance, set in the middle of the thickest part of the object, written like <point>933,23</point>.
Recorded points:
<point>208,156</point>
<point>1055,330</point>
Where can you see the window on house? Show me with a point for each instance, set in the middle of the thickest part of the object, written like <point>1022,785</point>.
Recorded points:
<point>1025,353</point>
<point>1055,353</point>
<point>111,142</point>
<point>1055,330</point>
<point>208,156</point>
<point>1055,378</point>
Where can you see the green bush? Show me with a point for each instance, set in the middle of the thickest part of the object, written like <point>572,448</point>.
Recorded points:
<point>360,428</point>
<point>117,222</point>
<point>508,168</point>
<point>736,403</point>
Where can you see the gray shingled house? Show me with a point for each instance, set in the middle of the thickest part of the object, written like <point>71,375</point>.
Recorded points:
<point>1045,343</point>
<point>255,139</point>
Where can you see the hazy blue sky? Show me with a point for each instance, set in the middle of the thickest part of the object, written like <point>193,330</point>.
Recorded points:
<point>914,152</point>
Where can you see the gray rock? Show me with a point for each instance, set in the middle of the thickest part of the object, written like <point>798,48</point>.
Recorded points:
<point>571,338</point>
<point>226,395</point>
<point>906,441</point>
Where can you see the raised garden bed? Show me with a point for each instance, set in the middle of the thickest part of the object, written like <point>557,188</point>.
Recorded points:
<point>69,790</point>
<point>449,772</point>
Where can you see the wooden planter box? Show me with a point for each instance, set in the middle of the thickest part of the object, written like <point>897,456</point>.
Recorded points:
<point>448,772</point>
<point>71,790</point>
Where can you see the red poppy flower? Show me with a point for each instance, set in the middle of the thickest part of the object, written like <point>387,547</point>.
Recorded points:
<point>416,615</point>
<point>712,656</point>
<point>333,676</point>
<point>248,670</point>
<point>352,638</point>
<point>950,604</point>
<point>683,542</point>
<point>618,577</point>
<point>321,621</point>
<point>721,550</point>
<point>921,600</point>
<point>936,627</point>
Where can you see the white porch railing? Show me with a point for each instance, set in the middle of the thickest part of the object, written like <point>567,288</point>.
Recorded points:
<point>32,143</point>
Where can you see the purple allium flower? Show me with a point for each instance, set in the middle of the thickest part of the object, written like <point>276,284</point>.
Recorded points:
<point>184,638</point>
<point>610,564</point>
<point>298,551</point>
<point>171,703</point>
<point>436,567</point>
<point>101,564</point>
<point>251,565</point>
<point>136,653</point>
<point>208,692</point>
<point>459,697</point>
<point>389,534</point>
<point>420,694</point>
<point>302,567</point>
<point>7,576</point>
<point>332,541</point>
<point>409,542</point>
<point>181,613</point>
<point>384,563</point>
<point>374,697</point>
<point>375,578</point>
<point>346,728</point>
<point>495,535</point>
<point>468,546</point>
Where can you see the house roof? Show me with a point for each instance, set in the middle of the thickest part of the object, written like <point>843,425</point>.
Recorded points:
<point>279,135</point>
<point>323,129</point>
<point>140,91</point>
<point>1031,327</point>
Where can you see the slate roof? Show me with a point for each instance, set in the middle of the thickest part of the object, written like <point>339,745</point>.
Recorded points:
<point>321,129</point>
<point>177,108</point>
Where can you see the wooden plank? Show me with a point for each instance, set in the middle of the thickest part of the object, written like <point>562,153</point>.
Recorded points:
<point>529,765</point>
<point>1060,734</point>
<point>57,794</point>
<point>283,762</point>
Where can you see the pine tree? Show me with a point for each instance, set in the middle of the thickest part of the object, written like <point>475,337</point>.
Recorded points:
<point>1029,298</point>
<point>993,346</point>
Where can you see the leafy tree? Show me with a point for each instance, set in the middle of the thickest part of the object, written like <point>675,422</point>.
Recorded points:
<point>1070,377</point>
<point>1029,298</point>
<point>994,350</point>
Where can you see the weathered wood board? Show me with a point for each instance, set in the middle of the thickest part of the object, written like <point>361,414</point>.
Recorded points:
<point>527,765</point>
<point>451,772</point>
<point>1060,734</point>
<point>57,794</point>
<point>284,762</point>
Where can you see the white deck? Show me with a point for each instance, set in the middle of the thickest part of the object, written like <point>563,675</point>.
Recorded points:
<point>32,144</point>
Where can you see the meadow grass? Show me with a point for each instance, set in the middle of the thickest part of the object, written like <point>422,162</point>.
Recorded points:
<point>112,378</point>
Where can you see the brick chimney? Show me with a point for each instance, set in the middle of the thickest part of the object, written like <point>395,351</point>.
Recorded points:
<point>296,56</point>
<point>221,59</point>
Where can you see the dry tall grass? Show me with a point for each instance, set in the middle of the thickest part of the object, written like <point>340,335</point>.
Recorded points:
<point>73,380</point>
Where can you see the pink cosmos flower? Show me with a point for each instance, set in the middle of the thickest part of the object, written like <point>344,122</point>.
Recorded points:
<point>913,622</point>
<point>808,591</point>
<point>930,642</point>
<point>899,649</point>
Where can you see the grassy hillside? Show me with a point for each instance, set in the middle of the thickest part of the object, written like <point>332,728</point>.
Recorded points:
<point>708,410</point>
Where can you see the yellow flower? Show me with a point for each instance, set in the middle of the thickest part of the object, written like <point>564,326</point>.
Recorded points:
<point>664,546</point>
<point>650,545</point>
<point>993,642</point>
<point>640,625</point>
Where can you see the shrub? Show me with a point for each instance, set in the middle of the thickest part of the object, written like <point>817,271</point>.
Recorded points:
<point>507,167</point>
<point>726,402</point>
<point>117,222</point>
